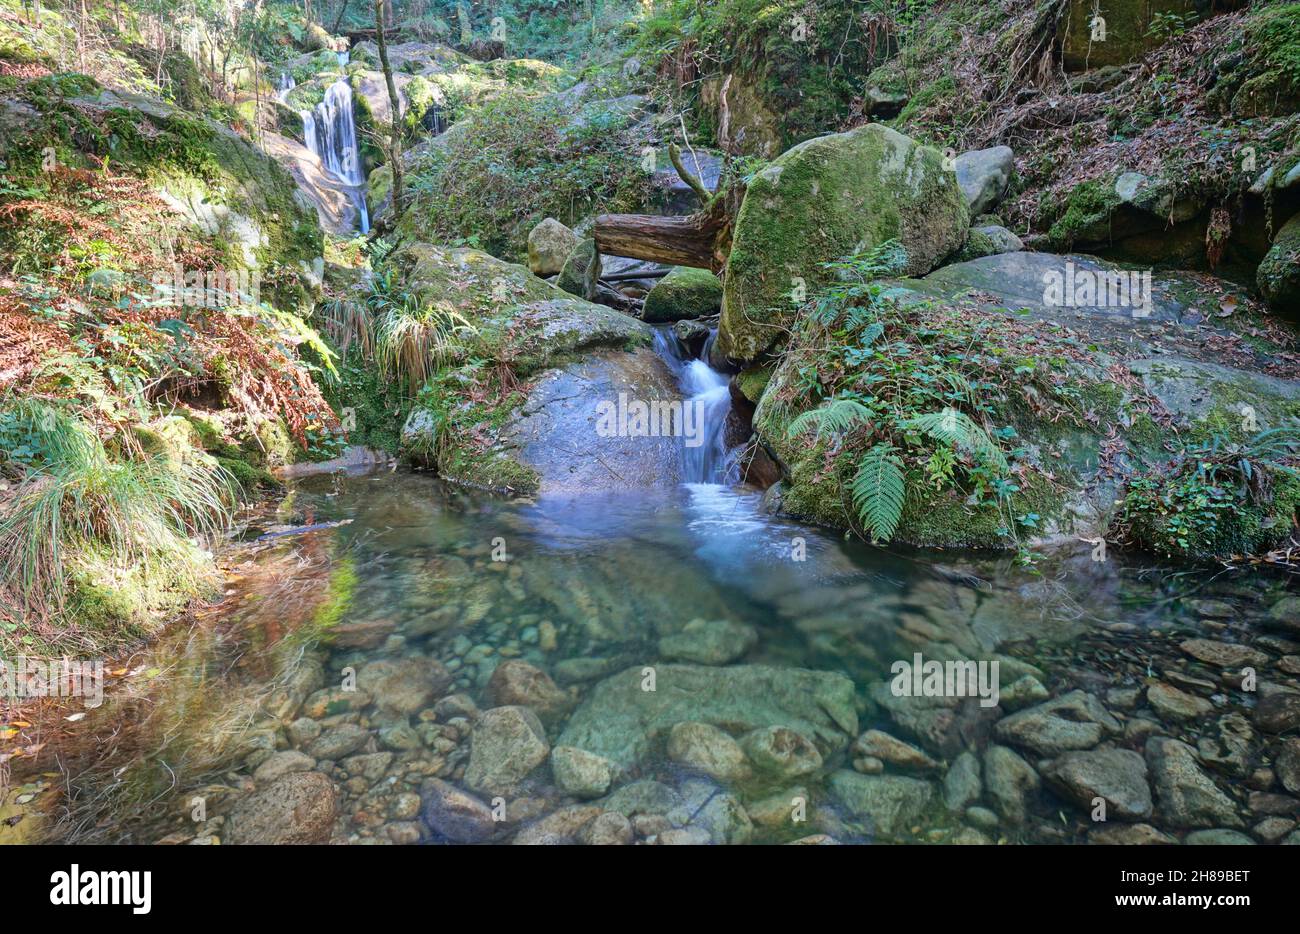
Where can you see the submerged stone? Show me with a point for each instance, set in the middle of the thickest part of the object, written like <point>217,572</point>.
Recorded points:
<point>622,719</point>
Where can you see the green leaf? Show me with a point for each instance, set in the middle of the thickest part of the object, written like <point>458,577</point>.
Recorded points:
<point>834,416</point>
<point>878,490</point>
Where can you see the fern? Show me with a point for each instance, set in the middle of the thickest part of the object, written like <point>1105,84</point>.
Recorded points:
<point>960,431</point>
<point>834,416</point>
<point>878,489</point>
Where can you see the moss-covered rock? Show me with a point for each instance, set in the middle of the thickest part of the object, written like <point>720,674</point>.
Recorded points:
<point>822,200</point>
<point>535,430</point>
<point>1087,408</point>
<point>684,293</point>
<point>1278,276</point>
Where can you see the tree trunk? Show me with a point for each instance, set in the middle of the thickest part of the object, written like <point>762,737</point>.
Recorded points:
<point>395,105</point>
<point>702,239</point>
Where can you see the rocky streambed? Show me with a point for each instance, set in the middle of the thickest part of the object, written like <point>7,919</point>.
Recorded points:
<point>676,668</point>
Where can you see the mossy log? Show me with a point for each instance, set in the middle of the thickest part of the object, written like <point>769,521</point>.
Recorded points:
<point>701,240</point>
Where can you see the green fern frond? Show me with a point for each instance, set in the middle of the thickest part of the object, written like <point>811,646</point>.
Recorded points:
<point>834,416</point>
<point>878,489</point>
<point>959,430</point>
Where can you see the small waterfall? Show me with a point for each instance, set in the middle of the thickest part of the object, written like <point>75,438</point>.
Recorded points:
<point>707,391</point>
<point>330,131</point>
<point>286,85</point>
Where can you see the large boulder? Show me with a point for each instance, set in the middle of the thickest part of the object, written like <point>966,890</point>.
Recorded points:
<point>622,720</point>
<point>1159,346</point>
<point>683,293</point>
<point>825,199</point>
<point>983,175</point>
<point>577,358</point>
<point>1278,275</point>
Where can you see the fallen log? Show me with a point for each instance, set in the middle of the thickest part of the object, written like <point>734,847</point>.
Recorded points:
<point>702,239</point>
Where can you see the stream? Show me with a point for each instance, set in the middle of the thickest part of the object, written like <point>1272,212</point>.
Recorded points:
<point>424,589</point>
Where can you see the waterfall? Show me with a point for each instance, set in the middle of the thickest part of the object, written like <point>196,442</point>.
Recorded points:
<point>286,85</point>
<point>330,131</point>
<point>708,392</point>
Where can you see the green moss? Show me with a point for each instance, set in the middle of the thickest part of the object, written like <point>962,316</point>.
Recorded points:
<point>753,381</point>
<point>819,202</point>
<point>250,479</point>
<point>684,293</point>
<point>1271,45</point>
<point>1086,214</point>
<point>340,592</point>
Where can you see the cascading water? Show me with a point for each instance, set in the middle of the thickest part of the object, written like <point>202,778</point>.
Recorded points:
<point>286,85</point>
<point>330,131</point>
<point>709,398</point>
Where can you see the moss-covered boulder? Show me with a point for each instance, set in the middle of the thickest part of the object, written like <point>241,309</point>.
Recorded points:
<point>824,199</point>
<point>1081,399</point>
<point>518,411</point>
<point>1278,275</point>
<point>683,293</point>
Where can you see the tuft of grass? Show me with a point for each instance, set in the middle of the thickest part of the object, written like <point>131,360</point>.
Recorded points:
<point>76,499</point>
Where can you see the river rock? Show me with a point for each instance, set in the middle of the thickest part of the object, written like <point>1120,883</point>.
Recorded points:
<point>1173,704</point>
<point>581,773</point>
<point>780,752</point>
<point>406,685</point>
<point>1287,765</point>
<point>339,741</point>
<point>643,797</point>
<point>1010,782</point>
<point>880,745</point>
<point>299,808</point>
<point>1218,837</point>
<point>683,293</point>
<point>1076,720</point>
<point>562,827</point>
<point>282,763</point>
<point>962,785</point>
<point>890,803</point>
<point>620,719</point>
<point>983,175</point>
<point>1278,712</point>
<point>328,702</point>
<point>1224,654</point>
<point>1186,795</point>
<point>781,810</point>
<point>823,199</point>
<point>517,683</point>
<point>707,749</point>
<point>506,744</point>
<point>1119,776</point>
<point>709,642</point>
<point>549,245</point>
<point>724,818</point>
<point>608,829</point>
<point>454,813</point>
<point>1130,835</point>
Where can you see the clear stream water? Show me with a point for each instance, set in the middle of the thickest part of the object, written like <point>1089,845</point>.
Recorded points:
<point>422,572</point>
